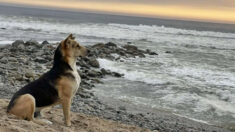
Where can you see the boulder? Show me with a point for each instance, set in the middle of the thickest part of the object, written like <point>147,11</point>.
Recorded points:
<point>115,74</point>
<point>130,47</point>
<point>110,44</point>
<point>94,63</point>
<point>98,46</point>
<point>45,42</point>
<point>32,42</point>
<point>93,73</point>
<point>17,43</point>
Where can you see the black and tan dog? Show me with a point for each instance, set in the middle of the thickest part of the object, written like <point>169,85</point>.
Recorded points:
<point>57,86</point>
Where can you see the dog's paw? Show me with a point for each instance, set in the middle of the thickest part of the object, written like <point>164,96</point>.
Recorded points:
<point>68,124</point>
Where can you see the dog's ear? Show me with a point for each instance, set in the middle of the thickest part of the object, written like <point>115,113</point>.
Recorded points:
<point>67,40</point>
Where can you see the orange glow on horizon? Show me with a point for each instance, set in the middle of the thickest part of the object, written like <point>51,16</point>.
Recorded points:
<point>177,12</point>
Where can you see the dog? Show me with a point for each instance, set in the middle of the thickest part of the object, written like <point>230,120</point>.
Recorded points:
<point>57,86</point>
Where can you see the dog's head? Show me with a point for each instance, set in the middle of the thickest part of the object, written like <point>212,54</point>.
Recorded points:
<point>71,48</point>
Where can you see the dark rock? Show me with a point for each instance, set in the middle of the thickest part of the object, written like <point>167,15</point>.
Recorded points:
<point>153,53</point>
<point>17,42</point>
<point>117,74</point>
<point>110,44</point>
<point>93,73</point>
<point>82,64</point>
<point>105,72</point>
<point>94,63</point>
<point>148,51</point>
<point>45,42</point>
<point>32,42</point>
<point>168,52</point>
<point>130,47</point>
<point>98,46</point>
<point>96,80</point>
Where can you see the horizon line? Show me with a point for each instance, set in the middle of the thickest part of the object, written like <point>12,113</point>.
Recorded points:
<point>115,13</point>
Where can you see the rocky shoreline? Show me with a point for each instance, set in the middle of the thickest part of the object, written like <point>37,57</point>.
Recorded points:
<point>23,62</point>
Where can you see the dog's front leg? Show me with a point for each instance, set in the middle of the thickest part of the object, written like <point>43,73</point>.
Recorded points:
<point>66,104</point>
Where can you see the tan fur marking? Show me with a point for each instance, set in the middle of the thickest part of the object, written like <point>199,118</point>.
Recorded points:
<point>65,91</point>
<point>24,107</point>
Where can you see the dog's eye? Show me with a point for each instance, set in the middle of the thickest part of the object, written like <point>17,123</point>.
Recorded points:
<point>78,46</point>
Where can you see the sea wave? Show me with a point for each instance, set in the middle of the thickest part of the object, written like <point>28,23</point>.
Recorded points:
<point>131,74</point>
<point>152,33</point>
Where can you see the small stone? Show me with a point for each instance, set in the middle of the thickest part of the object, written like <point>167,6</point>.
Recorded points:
<point>29,74</point>
<point>40,60</point>
<point>122,108</point>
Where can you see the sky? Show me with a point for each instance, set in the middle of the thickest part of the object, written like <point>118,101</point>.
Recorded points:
<point>222,11</point>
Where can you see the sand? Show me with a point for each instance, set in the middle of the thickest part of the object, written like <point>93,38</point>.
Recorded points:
<point>80,123</point>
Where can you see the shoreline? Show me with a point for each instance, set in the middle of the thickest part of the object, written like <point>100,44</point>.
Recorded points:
<point>23,62</point>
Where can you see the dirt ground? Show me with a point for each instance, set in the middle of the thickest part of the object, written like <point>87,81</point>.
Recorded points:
<point>80,123</point>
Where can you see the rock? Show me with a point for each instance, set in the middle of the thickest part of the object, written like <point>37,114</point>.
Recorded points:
<point>153,53</point>
<point>40,60</point>
<point>168,52</point>
<point>21,47</point>
<point>148,51</point>
<point>45,42</point>
<point>84,95</point>
<point>93,73</point>
<point>110,44</point>
<point>105,72</point>
<point>96,80</point>
<point>130,47</point>
<point>93,62</point>
<point>122,108</point>
<point>98,46</point>
<point>29,74</point>
<point>4,60</point>
<point>12,59</point>
<point>32,42</point>
<point>117,74</point>
<point>17,42</point>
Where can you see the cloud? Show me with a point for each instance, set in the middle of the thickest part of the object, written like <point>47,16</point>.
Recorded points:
<point>190,3</point>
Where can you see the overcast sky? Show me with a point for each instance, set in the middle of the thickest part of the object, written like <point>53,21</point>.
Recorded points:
<point>202,10</point>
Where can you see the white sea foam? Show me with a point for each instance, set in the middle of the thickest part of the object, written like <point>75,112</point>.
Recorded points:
<point>129,73</point>
<point>159,34</point>
<point>6,42</point>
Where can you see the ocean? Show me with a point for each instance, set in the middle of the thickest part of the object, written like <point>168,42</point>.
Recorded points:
<point>193,75</point>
